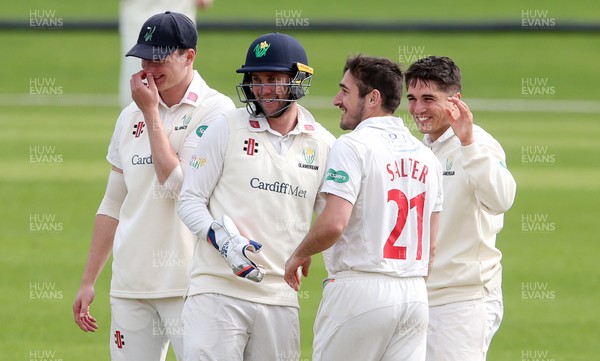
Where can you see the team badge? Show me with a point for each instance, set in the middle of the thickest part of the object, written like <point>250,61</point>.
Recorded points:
<point>260,50</point>
<point>185,120</point>
<point>449,163</point>
<point>149,33</point>
<point>308,156</point>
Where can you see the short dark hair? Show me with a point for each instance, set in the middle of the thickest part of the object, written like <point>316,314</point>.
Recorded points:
<point>377,73</point>
<point>438,69</point>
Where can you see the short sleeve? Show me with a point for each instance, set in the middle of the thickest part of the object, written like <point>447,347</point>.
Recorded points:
<point>344,171</point>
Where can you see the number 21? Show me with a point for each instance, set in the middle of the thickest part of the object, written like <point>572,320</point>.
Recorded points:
<point>404,205</point>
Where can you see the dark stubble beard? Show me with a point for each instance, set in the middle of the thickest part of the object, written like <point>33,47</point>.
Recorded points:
<point>356,118</point>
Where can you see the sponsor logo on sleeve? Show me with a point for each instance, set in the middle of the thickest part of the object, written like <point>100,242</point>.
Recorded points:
<point>200,130</point>
<point>197,161</point>
<point>337,176</point>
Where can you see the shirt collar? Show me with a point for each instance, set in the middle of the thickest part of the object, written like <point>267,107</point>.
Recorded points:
<point>449,133</point>
<point>381,122</point>
<point>306,123</point>
<point>193,94</point>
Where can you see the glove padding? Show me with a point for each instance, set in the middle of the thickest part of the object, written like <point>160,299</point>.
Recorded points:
<point>226,238</point>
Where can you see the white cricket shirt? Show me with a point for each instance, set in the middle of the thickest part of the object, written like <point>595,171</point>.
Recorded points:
<point>152,247</point>
<point>394,183</point>
<point>237,171</point>
<point>478,189</point>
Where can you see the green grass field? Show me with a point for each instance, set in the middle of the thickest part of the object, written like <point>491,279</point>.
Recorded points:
<point>52,151</point>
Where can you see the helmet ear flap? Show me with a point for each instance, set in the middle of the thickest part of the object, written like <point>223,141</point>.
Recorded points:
<point>296,86</point>
<point>299,85</point>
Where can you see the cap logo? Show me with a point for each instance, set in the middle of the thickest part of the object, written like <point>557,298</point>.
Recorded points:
<point>260,50</point>
<point>149,33</point>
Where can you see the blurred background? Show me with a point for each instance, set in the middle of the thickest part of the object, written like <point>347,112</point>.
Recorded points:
<point>530,76</point>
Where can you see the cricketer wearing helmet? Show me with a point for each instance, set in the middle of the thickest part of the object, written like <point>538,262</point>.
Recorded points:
<point>251,192</point>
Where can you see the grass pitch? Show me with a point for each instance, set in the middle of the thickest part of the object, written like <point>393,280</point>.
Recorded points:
<point>54,171</point>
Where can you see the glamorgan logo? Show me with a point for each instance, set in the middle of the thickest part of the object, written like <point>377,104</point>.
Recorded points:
<point>337,176</point>
<point>449,163</point>
<point>309,156</point>
<point>260,50</point>
<point>185,121</point>
<point>278,187</point>
<point>149,33</point>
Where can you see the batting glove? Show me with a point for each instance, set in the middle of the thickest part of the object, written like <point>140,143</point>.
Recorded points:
<point>226,238</point>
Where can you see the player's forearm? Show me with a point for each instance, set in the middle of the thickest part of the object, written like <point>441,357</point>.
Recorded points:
<point>193,211</point>
<point>328,227</point>
<point>100,248</point>
<point>433,227</point>
<point>317,240</point>
<point>200,182</point>
<point>164,157</point>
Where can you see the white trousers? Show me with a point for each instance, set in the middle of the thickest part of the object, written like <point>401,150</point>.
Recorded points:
<point>222,328</point>
<point>142,328</point>
<point>371,317</point>
<point>463,331</point>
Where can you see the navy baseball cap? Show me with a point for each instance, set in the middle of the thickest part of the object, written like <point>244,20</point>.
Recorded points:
<point>274,52</point>
<point>162,34</point>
